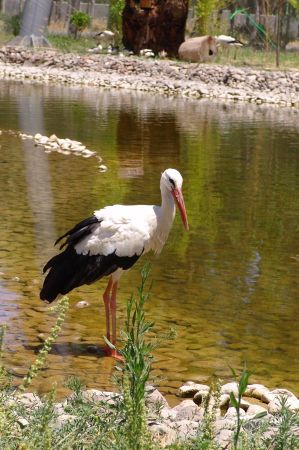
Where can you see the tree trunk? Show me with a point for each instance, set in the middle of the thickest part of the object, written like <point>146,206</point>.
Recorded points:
<point>154,24</point>
<point>34,22</point>
<point>278,34</point>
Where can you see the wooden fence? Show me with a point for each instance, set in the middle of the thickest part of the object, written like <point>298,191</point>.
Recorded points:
<point>61,10</point>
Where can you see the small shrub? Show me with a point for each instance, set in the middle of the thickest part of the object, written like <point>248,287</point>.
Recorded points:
<point>285,421</point>
<point>206,434</point>
<point>79,20</point>
<point>236,402</point>
<point>137,366</point>
<point>61,307</point>
<point>12,24</point>
<point>115,19</point>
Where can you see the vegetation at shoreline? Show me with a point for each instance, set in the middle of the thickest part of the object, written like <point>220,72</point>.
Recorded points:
<point>243,57</point>
<point>259,59</point>
<point>122,424</point>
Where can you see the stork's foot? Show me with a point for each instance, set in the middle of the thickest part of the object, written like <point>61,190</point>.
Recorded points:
<point>113,353</point>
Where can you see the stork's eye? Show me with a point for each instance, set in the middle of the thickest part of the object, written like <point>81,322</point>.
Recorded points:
<point>171,182</point>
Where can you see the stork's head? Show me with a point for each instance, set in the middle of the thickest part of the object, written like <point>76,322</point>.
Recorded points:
<point>172,181</point>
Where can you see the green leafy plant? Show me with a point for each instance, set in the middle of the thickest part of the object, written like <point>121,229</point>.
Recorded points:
<point>61,307</point>
<point>115,18</point>
<point>205,439</point>
<point>207,20</point>
<point>79,20</point>
<point>137,366</point>
<point>12,24</point>
<point>236,402</point>
<point>285,421</point>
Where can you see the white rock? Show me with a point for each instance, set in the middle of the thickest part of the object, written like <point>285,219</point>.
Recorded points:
<point>232,413</point>
<point>95,396</point>
<point>37,136</point>
<point>103,168</point>
<point>82,304</point>
<point>255,409</point>
<point>187,409</point>
<point>59,409</point>
<point>244,404</point>
<point>225,424</point>
<point>63,419</point>
<point>53,138</point>
<point>163,433</point>
<point>29,400</point>
<point>258,391</point>
<point>16,279</point>
<point>23,422</point>
<point>156,399</point>
<point>190,388</point>
<point>229,387</point>
<point>283,392</point>
<point>186,429</point>
<point>168,414</point>
<point>224,438</point>
<point>224,400</point>
<point>291,403</point>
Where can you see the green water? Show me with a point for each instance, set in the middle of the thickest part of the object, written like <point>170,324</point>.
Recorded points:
<point>229,287</point>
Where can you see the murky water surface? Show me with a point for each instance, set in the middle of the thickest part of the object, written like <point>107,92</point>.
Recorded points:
<point>229,287</point>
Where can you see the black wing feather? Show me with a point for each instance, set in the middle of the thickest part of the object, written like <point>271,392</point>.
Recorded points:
<point>79,231</point>
<point>69,270</point>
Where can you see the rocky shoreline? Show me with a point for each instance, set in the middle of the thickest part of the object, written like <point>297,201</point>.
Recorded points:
<point>167,77</point>
<point>259,407</point>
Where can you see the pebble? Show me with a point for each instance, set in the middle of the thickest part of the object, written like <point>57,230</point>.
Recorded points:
<point>82,304</point>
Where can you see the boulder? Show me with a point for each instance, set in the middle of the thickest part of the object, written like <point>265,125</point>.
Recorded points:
<point>156,399</point>
<point>96,396</point>
<point>230,387</point>
<point>163,433</point>
<point>198,49</point>
<point>188,410</point>
<point>258,391</point>
<point>256,409</point>
<point>190,389</point>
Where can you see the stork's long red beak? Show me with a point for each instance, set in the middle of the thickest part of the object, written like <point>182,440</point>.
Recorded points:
<point>179,199</point>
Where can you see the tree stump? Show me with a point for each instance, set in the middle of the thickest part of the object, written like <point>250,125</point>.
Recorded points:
<point>154,24</point>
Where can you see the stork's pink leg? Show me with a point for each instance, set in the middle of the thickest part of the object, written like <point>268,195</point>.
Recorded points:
<point>109,298</point>
<point>107,301</point>
<point>114,353</point>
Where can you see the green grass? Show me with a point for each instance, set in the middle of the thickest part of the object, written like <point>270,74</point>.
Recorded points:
<point>259,59</point>
<point>68,44</point>
<point>5,36</point>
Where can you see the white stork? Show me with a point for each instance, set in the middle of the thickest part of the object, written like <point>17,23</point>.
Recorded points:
<point>228,41</point>
<point>110,242</point>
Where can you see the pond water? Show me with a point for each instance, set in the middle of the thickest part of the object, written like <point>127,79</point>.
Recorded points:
<point>229,286</point>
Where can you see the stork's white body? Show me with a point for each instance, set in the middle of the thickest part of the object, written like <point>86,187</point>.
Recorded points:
<point>230,41</point>
<point>128,230</point>
<point>111,241</point>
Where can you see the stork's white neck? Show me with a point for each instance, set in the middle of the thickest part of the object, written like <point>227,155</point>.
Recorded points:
<point>165,217</point>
